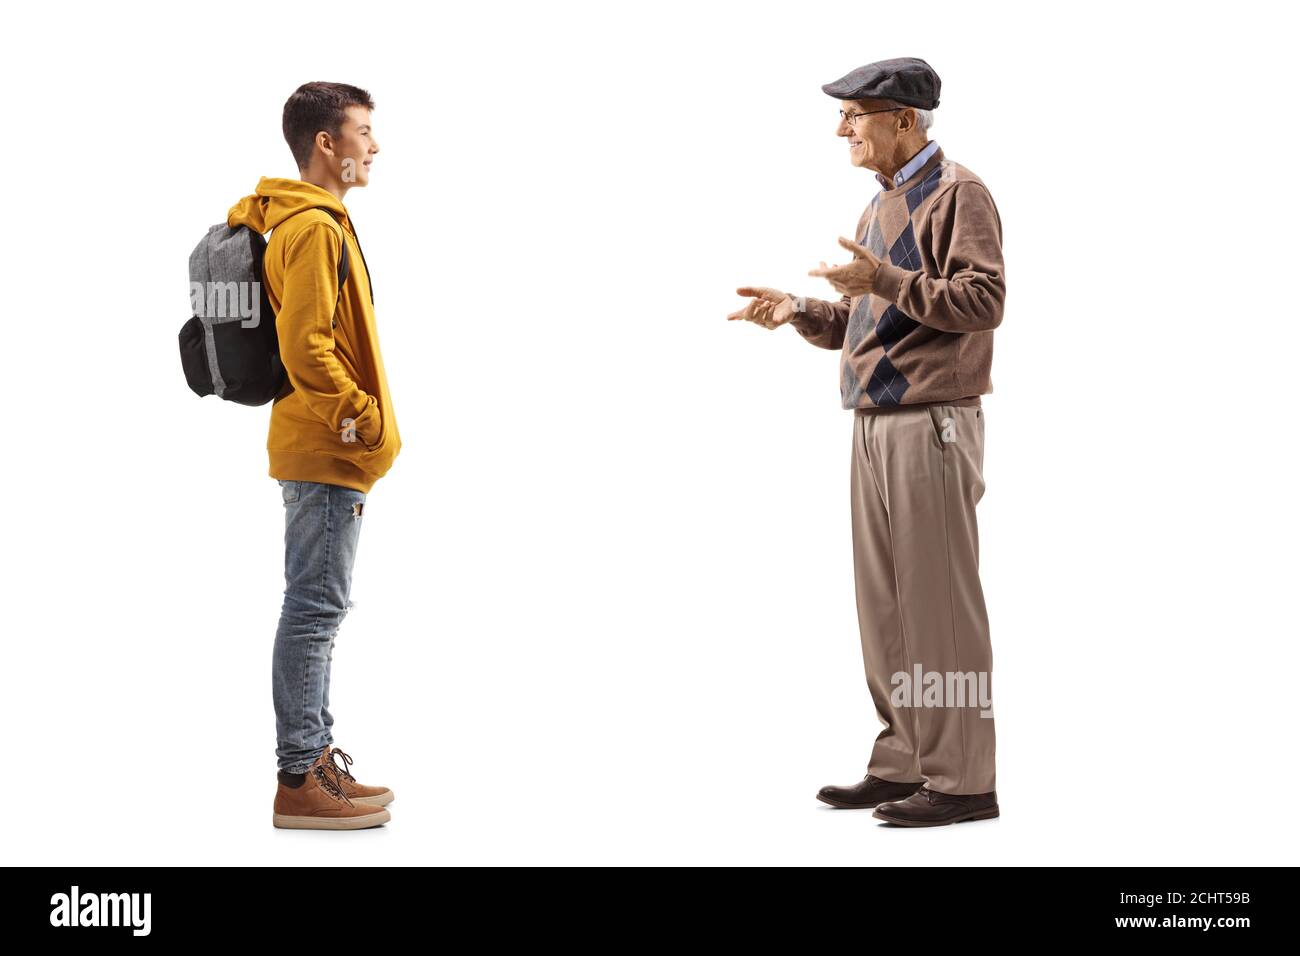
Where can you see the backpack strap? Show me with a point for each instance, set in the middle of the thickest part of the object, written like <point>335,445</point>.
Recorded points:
<point>343,277</point>
<point>343,266</point>
<point>343,259</point>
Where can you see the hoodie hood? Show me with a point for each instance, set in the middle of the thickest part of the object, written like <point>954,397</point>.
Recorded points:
<point>277,199</point>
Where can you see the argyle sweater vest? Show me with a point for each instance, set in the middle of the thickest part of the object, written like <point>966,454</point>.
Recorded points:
<point>924,335</point>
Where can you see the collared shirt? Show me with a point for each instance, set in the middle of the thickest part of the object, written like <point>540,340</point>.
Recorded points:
<point>910,167</point>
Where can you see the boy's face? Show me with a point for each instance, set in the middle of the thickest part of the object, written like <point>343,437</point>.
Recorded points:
<point>355,146</point>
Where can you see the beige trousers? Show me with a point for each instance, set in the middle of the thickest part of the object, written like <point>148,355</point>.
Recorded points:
<point>917,476</point>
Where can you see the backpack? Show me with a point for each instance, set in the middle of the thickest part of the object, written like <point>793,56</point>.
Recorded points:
<point>229,347</point>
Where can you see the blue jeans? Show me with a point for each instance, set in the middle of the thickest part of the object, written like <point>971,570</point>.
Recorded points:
<point>321,525</point>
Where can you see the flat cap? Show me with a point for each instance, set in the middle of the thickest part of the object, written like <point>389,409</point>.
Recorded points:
<point>906,79</point>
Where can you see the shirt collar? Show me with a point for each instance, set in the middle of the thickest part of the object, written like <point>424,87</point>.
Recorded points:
<point>910,167</point>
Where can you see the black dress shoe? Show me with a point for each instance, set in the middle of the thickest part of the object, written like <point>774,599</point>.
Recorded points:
<point>869,792</point>
<point>930,808</point>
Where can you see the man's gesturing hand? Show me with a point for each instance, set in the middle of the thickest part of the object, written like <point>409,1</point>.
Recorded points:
<point>767,307</point>
<point>855,278</point>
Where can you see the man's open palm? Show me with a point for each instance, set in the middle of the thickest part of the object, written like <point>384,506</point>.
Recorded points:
<point>767,307</point>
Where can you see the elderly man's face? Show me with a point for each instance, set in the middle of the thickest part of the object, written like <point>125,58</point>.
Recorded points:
<point>872,138</point>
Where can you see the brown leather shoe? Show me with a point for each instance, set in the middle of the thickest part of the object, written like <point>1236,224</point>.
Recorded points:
<point>930,808</point>
<point>319,803</point>
<point>867,793</point>
<point>354,791</point>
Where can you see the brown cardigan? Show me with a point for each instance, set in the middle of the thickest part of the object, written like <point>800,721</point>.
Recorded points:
<point>925,334</point>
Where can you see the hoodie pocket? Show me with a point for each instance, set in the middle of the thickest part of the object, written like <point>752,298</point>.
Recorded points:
<point>379,433</point>
<point>378,458</point>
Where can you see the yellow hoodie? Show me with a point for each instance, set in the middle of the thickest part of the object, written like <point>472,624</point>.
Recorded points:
<point>334,421</point>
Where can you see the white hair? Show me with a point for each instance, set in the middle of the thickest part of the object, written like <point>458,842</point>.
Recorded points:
<point>925,118</point>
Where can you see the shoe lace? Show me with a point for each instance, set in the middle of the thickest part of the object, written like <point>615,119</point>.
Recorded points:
<point>328,779</point>
<point>344,772</point>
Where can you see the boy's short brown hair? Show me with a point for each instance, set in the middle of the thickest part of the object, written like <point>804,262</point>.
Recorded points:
<point>314,107</point>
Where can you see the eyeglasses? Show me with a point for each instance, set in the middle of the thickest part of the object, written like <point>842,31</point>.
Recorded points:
<point>850,117</point>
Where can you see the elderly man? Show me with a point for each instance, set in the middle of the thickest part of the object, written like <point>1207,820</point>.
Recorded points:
<point>914,323</point>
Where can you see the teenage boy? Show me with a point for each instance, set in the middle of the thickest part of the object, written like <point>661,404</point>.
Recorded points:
<point>332,436</point>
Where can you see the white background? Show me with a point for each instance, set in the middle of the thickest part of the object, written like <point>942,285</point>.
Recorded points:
<point>605,608</point>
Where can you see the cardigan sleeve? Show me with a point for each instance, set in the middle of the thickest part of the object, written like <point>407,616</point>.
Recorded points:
<point>822,323</point>
<point>967,289</point>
